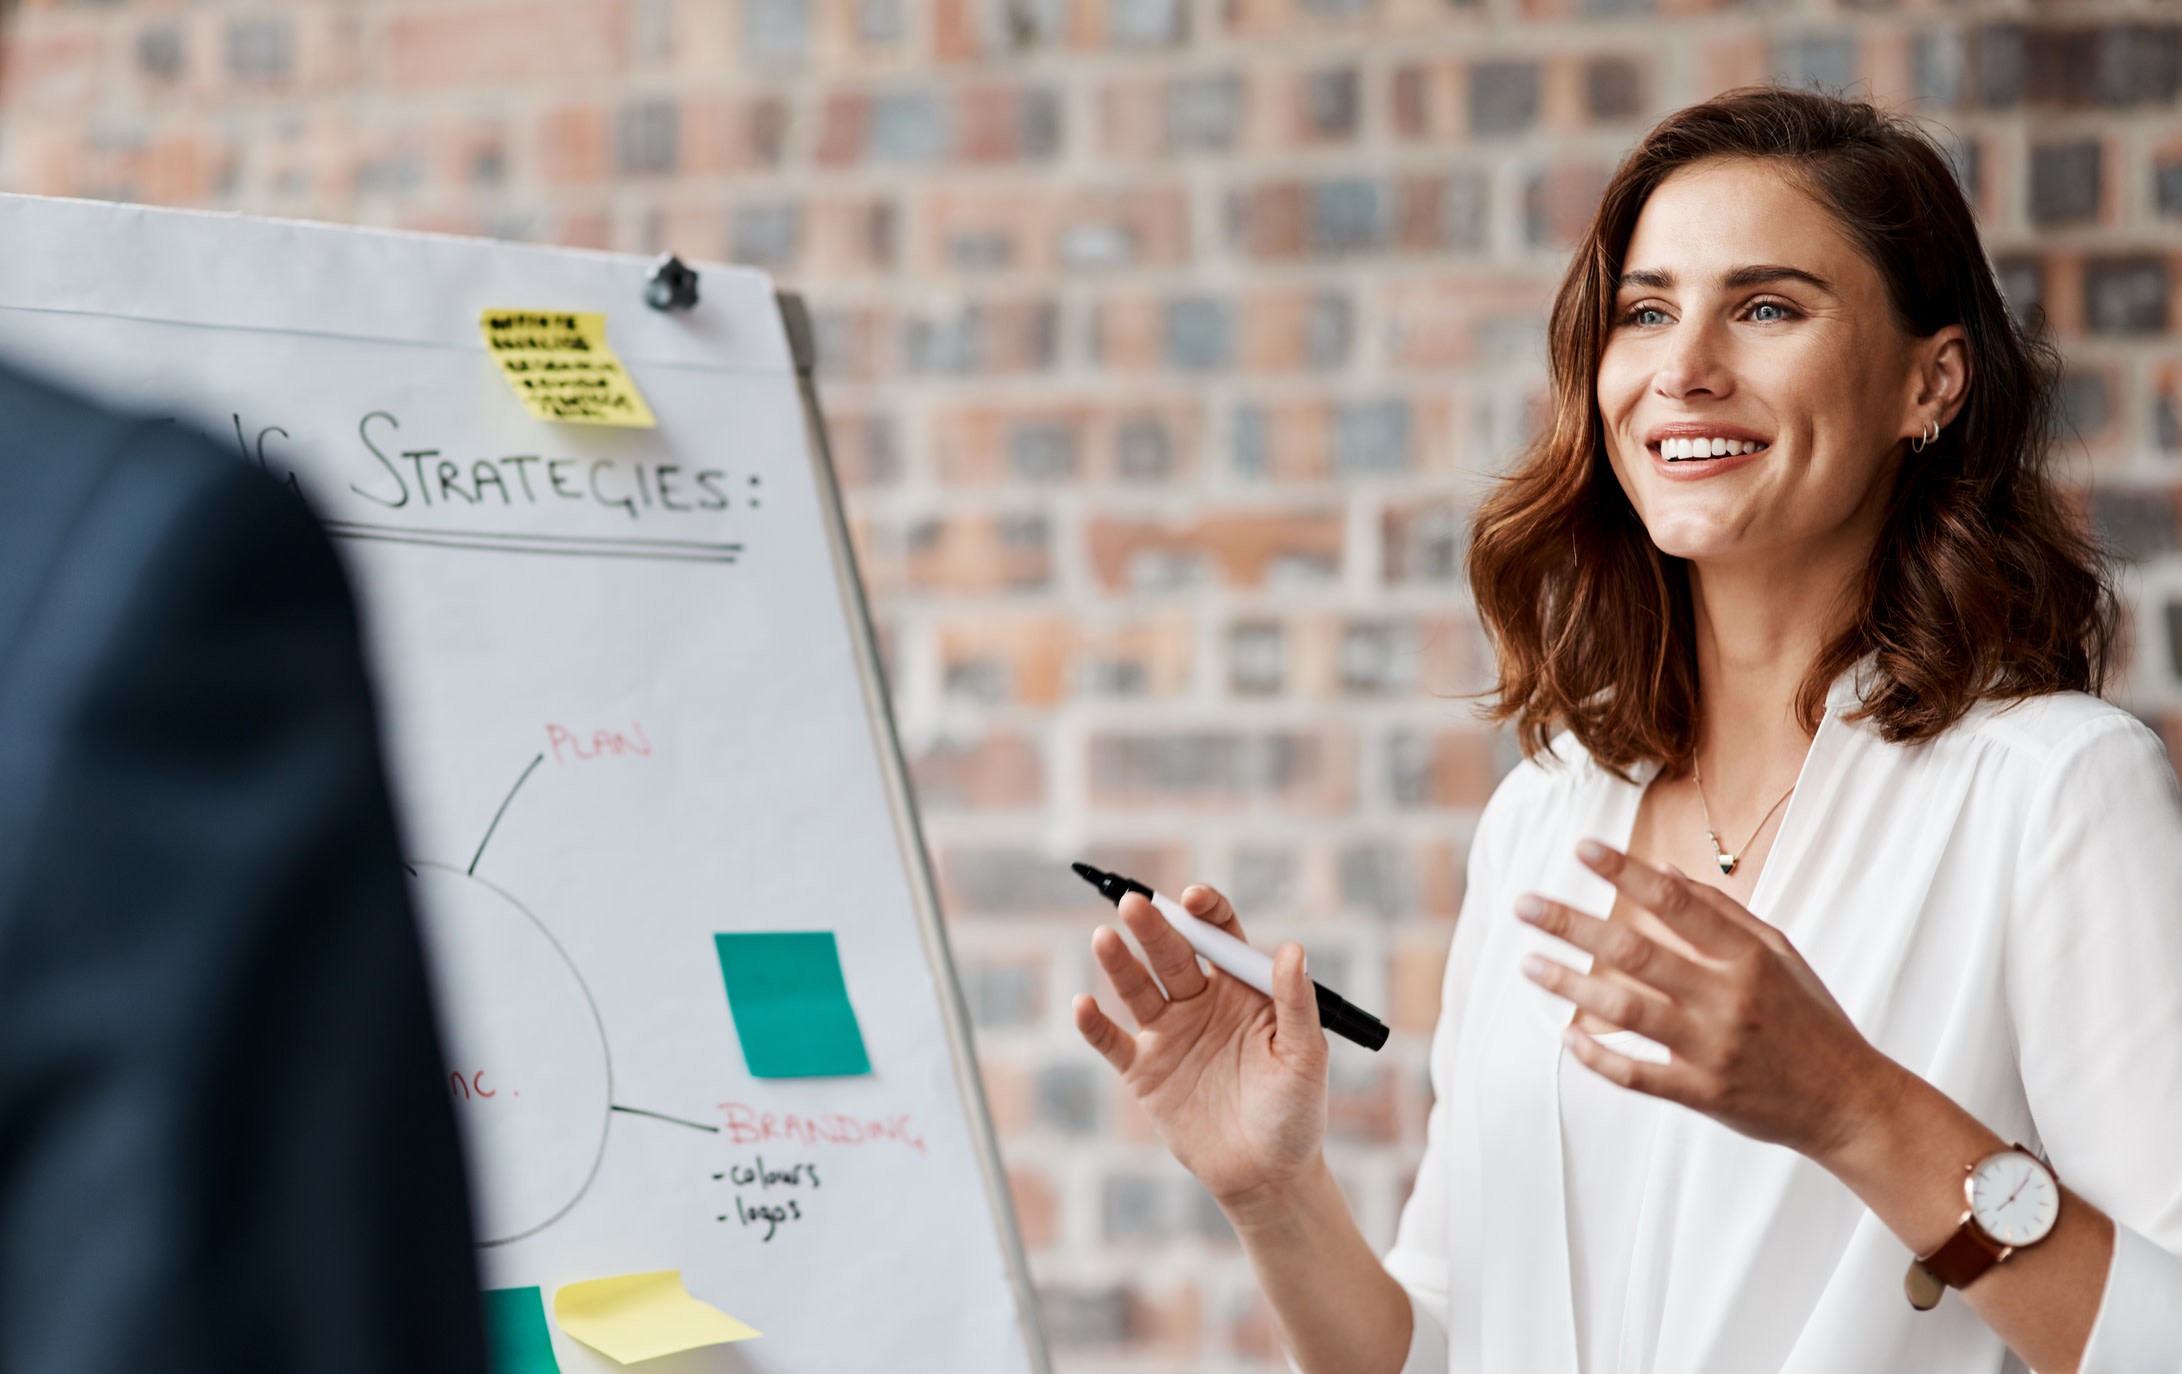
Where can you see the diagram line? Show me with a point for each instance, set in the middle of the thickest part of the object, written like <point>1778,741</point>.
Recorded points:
<point>471,871</point>
<point>662,1116</point>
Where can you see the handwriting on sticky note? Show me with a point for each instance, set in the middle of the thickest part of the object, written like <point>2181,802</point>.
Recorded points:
<point>559,362</point>
<point>643,1316</point>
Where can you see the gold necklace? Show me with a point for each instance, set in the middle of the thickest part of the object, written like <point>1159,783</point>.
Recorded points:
<point>1730,862</point>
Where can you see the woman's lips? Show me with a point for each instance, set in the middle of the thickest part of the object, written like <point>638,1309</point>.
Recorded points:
<point>1693,468</point>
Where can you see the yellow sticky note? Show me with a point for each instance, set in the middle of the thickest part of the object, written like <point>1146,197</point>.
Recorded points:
<point>559,362</point>
<point>642,1316</point>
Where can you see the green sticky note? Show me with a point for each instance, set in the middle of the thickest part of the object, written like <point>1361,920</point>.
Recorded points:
<point>515,1332</point>
<point>790,1004</point>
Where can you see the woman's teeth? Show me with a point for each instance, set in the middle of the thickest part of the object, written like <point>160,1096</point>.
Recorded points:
<point>1676,450</point>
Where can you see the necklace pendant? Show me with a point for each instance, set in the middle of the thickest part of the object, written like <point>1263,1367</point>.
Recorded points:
<point>1728,863</point>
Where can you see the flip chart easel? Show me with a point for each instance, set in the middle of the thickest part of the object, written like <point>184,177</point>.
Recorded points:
<point>658,824</point>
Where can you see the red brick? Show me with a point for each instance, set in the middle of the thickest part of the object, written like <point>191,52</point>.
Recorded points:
<point>1435,323</point>
<point>1414,976</point>
<point>1245,547</point>
<point>1037,1208</point>
<point>1453,769</point>
<point>433,45</point>
<point>576,144</point>
<point>1003,772</point>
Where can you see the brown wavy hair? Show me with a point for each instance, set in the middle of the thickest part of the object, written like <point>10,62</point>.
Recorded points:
<point>1983,583</point>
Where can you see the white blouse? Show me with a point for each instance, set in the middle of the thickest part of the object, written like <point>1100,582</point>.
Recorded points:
<point>1999,910</point>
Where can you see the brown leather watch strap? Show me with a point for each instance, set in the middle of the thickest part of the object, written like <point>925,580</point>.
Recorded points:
<point>1965,1257</point>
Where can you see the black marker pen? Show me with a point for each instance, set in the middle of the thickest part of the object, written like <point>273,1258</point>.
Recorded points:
<point>1251,966</point>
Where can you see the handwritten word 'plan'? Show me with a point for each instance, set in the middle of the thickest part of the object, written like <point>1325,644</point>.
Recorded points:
<point>561,365</point>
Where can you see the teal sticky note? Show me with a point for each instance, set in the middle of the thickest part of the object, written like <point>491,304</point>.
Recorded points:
<point>790,1004</point>
<point>515,1332</point>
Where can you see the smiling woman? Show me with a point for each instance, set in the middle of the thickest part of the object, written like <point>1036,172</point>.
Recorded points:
<point>1785,598</point>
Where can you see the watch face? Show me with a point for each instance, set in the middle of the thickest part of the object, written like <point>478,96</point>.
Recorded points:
<point>2014,1198</point>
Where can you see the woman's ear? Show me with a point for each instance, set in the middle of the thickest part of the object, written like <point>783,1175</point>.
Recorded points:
<point>1943,377</point>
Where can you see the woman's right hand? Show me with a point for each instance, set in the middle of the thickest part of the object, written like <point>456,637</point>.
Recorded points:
<point>1234,1083</point>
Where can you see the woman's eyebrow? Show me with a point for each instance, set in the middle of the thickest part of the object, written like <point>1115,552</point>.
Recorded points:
<point>1650,278</point>
<point>1759,276</point>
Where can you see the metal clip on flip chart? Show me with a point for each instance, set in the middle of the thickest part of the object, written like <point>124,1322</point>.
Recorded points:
<point>672,284</point>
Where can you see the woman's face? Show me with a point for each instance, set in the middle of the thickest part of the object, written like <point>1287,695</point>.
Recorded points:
<point>1749,328</point>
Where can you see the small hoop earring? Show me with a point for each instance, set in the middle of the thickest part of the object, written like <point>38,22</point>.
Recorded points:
<point>1929,437</point>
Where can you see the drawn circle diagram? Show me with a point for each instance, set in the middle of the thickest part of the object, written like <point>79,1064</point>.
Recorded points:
<point>527,1061</point>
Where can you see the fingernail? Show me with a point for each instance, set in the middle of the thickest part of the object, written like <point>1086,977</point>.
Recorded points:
<point>1530,907</point>
<point>1534,966</point>
<point>1591,851</point>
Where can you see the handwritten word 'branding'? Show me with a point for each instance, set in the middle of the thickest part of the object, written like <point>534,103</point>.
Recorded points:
<point>603,743</point>
<point>746,1125</point>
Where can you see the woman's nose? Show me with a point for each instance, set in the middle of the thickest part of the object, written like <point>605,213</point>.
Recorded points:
<point>1694,363</point>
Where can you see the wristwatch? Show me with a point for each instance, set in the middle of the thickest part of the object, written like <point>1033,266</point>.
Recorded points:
<point>2014,1199</point>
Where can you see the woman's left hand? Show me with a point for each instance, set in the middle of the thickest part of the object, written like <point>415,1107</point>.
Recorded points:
<point>1758,1044</point>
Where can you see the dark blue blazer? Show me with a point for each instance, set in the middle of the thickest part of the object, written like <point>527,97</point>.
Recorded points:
<point>225,1142</point>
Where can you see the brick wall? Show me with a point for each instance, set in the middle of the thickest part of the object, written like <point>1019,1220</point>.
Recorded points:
<point>1167,342</point>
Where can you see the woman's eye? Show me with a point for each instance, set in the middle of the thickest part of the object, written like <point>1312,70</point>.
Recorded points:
<point>1648,317</point>
<point>1765,312</point>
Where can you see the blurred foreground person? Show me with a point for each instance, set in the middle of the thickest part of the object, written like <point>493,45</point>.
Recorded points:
<point>224,1144</point>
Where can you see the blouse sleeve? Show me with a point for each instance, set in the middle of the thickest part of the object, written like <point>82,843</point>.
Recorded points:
<point>1418,1260</point>
<point>2094,986</point>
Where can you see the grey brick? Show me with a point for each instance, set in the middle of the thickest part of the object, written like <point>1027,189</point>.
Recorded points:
<point>1068,1094</point>
<point>1134,1207</point>
<point>1409,768</point>
<point>1205,1216</point>
<point>1817,62</point>
<point>1264,880</point>
<point>1966,159</point>
<point>1375,878</point>
<point>909,127</point>
<point>2064,182</point>
<point>2136,525</point>
<point>1205,762</point>
<point>776,33</point>
<point>1143,450</point>
<point>1609,8</point>
<point>1042,450</point>
<point>767,234</point>
<point>1371,438</point>
<point>1348,215</point>
<point>1996,56</point>
<point>2173,610</point>
<point>2086,403</point>
<point>1204,113</point>
<point>1257,659</point>
<point>2126,295</point>
<point>1331,102</point>
<point>879,23</point>
<point>1200,333</point>
<point>1465,210</point>
<point>2167,422</point>
<point>1613,88</point>
<point>160,52</point>
<point>981,251</point>
<point>1378,658</point>
<point>1426,546</point>
<point>2023,284</point>
<point>1001,995</point>
<point>1938,68</point>
<point>259,49</point>
<point>986,881</point>
<point>647,135</point>
<point>1340,9</point>
<point>2167,188</point>
<point>1253,442</point>
<point>2113,65</point>
<point>1087,1317</point>
<point>1332,330</point>
<point>1097,245</point>
<point>389,175</point>
<point>1503,97</point>
<point>1146,23</point>
<point>1038,123</point>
